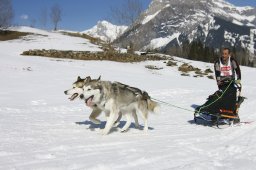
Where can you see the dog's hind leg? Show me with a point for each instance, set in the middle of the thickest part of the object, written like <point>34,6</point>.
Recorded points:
<point>143,110</point>
<point>95,113</point>
<point>128,122</point>
<point>117,122</point>
<point>135,119</point>
<point>145,118</point>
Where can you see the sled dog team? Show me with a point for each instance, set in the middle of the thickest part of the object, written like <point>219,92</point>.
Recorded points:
<point>115,100</point>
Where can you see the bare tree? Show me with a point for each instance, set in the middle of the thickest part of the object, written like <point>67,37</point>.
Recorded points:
<point>55,15</point>
<point>127,13</point>
<point>6,13</point>
<point>43,17</point>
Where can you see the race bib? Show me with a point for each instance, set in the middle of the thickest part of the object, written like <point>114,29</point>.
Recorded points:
<point>226,70</point>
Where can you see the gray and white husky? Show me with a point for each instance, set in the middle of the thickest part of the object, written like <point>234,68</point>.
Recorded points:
<point>77,90</point>
<point>114,98</point>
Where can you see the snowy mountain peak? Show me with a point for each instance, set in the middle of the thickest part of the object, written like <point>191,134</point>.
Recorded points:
<point>212,7</point>
<point>105,31</point>
<point>166,24</point>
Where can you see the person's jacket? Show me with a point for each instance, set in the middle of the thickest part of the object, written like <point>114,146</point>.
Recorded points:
<point>229,70</point>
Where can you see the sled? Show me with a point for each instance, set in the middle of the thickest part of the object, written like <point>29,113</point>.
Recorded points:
<point>221,108</point>
<point>219,120</point>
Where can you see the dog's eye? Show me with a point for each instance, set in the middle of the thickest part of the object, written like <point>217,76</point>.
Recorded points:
<point>89,89</point>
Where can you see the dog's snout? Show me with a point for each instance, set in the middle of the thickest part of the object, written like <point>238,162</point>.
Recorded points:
<point>81,96</point>
<point>65,92</point>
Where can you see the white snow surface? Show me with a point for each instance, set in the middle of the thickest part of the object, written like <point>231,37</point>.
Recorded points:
<point>49,40</point>
<point>40,129</point>
<point>106,31</point>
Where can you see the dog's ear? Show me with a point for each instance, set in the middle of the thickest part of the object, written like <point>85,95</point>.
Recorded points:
<point>78,78</point>
<point>87,79</point>
<point>99,78</point>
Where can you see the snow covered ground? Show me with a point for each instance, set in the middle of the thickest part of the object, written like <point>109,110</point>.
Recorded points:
<point>40,129</point>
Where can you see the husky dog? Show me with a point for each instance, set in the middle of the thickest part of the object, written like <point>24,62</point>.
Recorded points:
<point>77,90</point>
<point>114,98</point>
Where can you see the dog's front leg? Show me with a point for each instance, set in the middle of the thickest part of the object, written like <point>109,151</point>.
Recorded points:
<point>93,116</point>
<point>110,121</point>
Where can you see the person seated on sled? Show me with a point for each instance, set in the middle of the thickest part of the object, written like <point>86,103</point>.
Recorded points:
<point>226,70</point>
<point>226,67</point>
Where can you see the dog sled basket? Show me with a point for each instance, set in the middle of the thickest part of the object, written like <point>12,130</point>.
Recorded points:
<point>221,108</point>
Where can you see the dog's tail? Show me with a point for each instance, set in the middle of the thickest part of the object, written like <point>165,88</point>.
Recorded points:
<point>153,106</point>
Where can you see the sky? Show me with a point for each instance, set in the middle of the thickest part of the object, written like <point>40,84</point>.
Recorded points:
<point>78,15</point>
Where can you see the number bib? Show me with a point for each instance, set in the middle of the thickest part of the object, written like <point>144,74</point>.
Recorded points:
<point>226,70</point>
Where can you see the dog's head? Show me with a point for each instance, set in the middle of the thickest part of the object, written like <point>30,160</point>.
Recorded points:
<point>92,92</point>
<point>78,85</point>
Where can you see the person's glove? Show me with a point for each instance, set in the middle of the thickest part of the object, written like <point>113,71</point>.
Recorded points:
<point>238,81</point>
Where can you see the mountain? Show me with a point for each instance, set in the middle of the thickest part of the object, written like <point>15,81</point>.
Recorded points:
<point>105,31</point>
<point>168,24</point>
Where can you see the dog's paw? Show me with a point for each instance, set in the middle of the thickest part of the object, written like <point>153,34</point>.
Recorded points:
<point>123,130</point>
<point>95,121</point>
<point>104,132</point>
<point>137,126</point>
<point>145,130</point>
<point>116,124</point>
